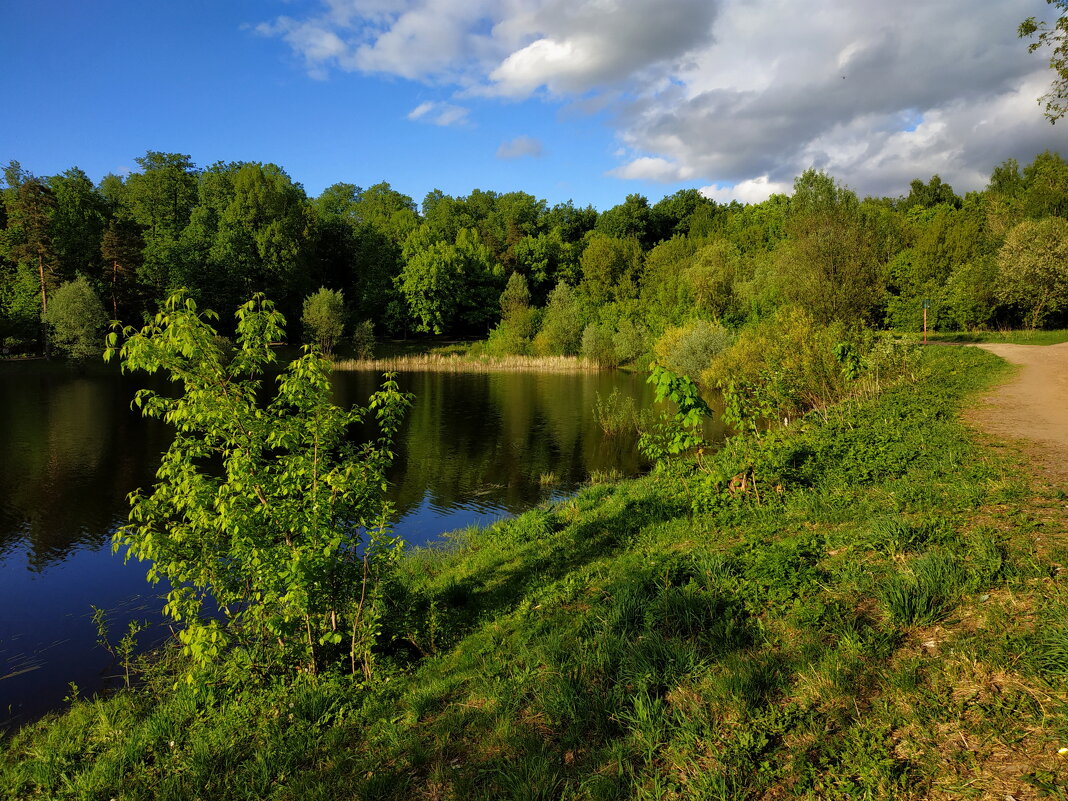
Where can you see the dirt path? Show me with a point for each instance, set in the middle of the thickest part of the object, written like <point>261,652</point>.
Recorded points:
<point>1033,405</point>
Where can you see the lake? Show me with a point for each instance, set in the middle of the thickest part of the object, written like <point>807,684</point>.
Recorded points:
<point>475,447</point>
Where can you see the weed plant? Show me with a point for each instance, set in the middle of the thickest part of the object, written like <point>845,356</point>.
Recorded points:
<point>616,413</point>
<point>873,616</point>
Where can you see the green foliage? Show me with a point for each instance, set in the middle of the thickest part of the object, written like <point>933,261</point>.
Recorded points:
<point>1033,268</point>
<point>598,345</point>
<point>689,349</point>
<point>561,324</point>
<point>75,318</point>
<point>1054,37</point>
<point>20,308</point>
<point>828,265</point>
<point>676,433</point>
<point>630,341</point>
<point>788,365</point>
<point>267,510</point>
<point>712,275</point>
<point>515,297</point>
<point>615,414</point>
<point>324,318</point>
<point>363,340</point>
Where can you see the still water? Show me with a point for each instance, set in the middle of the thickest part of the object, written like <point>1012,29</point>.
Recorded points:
<point>475,448</point>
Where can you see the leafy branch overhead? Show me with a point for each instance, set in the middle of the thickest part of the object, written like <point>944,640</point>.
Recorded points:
<point>266,510</point>
<point>1055,37</point>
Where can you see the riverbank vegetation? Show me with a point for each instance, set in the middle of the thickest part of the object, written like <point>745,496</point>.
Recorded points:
<point>864,603</point>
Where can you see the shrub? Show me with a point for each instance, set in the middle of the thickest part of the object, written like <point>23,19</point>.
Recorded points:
<point>689,349</point>
<point>324,318</point>
<point>75,318</point>
<point>616,414</point>
<point>363,340</point>
<point>597,345</point>
<point>265,509</point>
<point>629,340</point>
<point>788,365</point>
<point>561,325</point>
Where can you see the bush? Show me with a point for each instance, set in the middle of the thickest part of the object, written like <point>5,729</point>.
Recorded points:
<point>324,318</point>
<point>363,340</point>
<point>597,345</point>
<point>788,365</point>
<point>266,510</point>
<point>561,325</point>
<point>630,340</point>
<point>75,318</point>
<point>689,349</point>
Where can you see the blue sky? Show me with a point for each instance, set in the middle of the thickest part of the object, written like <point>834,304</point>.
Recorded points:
<point>582,100</point>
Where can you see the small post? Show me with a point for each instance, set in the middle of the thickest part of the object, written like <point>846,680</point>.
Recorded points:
<point>926,303</point>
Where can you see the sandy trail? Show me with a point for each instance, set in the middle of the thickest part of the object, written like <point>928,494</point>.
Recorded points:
<point>1032,405</point>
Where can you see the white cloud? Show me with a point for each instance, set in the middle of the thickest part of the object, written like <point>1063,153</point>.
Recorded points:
<point>438,113</point>
<point>740,94</point>
<point>519,147</point>
<point>752,190</point>
<point>649,168</point>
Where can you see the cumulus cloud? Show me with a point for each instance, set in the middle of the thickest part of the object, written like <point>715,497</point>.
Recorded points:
<point>741,95</point>
<point>438,113</point>
<point>519,147</point>
<point>751,190</point>
<point>652,168</point>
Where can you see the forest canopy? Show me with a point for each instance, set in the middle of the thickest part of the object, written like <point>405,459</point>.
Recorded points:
<point>633,272</point>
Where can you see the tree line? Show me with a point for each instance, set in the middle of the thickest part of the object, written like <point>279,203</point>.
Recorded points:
<point>531,277</point>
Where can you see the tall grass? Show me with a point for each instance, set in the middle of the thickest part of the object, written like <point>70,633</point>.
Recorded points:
<point>616,414</point>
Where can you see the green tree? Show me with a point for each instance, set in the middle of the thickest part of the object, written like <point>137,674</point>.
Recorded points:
<point>160,198</point>
<point>324,318</point>
<point>666,294</point>
<point>261,231</point>
<point>430,283</point>
<point>827,265</point>
<point>1046,186</point>
<point>266,508</point>
<point>75,319</point>
<point>712,274</point>
<point>932,193</point>
<point>121,247</point>
<point>1033,268</point>
<point>1055,37</point>
<point>562,324</point>
<point>631,218</point>
<point>611,268</point>
<point>516,296</point>
<point>30,206</point>
<point>77,223</point>
<point>449,285</point>
<point>598,345</point>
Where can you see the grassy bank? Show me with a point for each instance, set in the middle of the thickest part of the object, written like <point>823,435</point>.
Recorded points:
<point>866,605</point>
<point>1019,337</point>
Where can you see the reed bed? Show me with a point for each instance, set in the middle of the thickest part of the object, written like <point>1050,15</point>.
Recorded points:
<point>457,363</point>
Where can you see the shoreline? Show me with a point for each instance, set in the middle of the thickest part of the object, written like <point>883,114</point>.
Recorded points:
<point>456,363</point>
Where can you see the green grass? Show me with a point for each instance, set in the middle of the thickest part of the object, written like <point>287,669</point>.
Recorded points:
<point>1021,337</point>
<point>887,620</point>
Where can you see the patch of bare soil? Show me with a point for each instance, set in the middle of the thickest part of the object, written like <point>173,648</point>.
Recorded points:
<point>1032,406</point>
